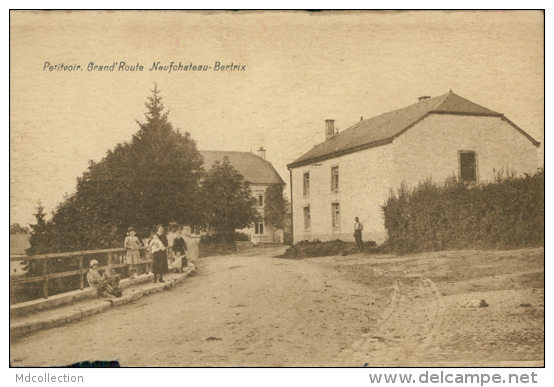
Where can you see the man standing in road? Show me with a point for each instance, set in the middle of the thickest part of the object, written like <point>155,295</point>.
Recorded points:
<point>358,228</point>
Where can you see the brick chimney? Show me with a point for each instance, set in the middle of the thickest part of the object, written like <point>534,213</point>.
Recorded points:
<point>261,152</point>
<point>423,98</point>
<point>329,129</point>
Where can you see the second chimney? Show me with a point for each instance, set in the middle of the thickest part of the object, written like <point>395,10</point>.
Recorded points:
<point>261,152</point>
<point>329,129</point>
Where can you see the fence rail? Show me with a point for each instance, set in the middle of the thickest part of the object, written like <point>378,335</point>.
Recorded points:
<point>113,257</point>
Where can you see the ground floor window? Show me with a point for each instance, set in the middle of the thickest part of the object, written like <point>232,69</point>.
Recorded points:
<point>307,217</point>
<point>259,227</point>
<point>336,214</point>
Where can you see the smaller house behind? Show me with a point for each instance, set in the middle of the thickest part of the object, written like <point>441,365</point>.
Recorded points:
<point>261,175</point>
<point>18,244</point>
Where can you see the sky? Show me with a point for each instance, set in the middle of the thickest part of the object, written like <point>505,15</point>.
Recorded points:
<point>300,69</point>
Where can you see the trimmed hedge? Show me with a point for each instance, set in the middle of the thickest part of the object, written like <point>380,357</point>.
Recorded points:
<point>215,249</point>
<point>211,244</point>
<point>455,215</point>
<point>230,238</point>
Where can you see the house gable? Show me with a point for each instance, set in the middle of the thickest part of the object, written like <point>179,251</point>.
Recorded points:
<point>435,147</point>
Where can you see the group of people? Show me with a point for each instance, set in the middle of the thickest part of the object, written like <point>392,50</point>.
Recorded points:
<point>162,262</point>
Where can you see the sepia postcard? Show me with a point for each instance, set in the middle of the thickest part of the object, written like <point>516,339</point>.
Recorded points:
<point>277,189</point>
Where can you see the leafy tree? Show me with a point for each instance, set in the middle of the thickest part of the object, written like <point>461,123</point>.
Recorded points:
<point>275,210</point>
<point>16,228</point>
<point>154,178</point>
<point>227,199</point>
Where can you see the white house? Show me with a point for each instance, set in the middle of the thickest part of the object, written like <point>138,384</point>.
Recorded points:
<point>261,174</point>
<point>19,243</point>
<point>351,173</point>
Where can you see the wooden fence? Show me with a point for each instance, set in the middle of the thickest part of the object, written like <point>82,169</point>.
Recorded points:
<point>53,265</point>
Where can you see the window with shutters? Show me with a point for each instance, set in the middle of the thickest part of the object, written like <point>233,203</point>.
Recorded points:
<point>468,166</point>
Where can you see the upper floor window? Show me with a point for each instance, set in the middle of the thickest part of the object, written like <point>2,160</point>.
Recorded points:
<point>260,199</point>
<point>306,183</point>
<point>336,214</point>
<point>334,178</point>
<point>468,166</point>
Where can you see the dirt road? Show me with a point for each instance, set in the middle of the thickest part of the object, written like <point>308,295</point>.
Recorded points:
<point>335,311</point>
<point>459,308</point>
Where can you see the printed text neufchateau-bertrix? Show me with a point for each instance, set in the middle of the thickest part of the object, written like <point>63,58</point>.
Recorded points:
<point>156,66</point>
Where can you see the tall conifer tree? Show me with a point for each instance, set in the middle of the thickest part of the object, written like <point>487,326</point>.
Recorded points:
<point>154,178</point>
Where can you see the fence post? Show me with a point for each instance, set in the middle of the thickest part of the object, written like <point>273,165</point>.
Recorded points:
<point>82,275</point>
<point>45,281</point>
<point>193,251</point>
<point>109,258</point>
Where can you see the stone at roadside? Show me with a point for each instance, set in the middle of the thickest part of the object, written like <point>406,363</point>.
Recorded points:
<point>474,304</point>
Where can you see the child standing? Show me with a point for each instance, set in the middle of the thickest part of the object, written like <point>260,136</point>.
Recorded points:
<point>132,244</point>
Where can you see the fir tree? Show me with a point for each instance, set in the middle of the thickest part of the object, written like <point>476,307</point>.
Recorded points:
<point>154,178</point>
<point>39,232</point>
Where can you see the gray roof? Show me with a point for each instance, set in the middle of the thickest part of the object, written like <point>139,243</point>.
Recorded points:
<point>254,168</point>
<point>386,127</point>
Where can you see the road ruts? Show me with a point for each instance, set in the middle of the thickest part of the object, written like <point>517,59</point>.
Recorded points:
<point>408,327</point>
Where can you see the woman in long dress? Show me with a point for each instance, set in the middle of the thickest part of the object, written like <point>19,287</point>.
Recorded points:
<point>179,253</point>
<point>159,254</point>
